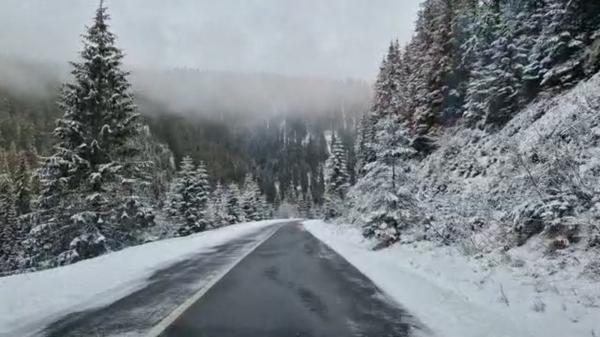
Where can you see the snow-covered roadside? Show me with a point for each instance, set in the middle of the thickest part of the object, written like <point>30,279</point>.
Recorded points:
<point>28,301</point>
<point>459,297</point>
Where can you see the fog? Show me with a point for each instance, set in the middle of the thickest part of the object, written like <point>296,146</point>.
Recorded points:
<point>209,58</point>
<point>308,38</point>
<point>221,94</point>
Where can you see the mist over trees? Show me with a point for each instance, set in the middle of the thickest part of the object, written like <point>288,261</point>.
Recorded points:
<point>192,151</point>
<point>198,150</point>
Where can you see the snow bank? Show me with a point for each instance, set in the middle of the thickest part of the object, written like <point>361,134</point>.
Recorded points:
<point>29,301</point>
<point>460,297</point>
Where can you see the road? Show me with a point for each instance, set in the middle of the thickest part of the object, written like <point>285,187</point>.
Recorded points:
<point>166,289</point>
<point>291,285</point>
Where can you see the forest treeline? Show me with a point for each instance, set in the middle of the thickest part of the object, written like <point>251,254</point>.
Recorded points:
<point>469,69</point>
<point>88,169</point>
<point>110,174</point>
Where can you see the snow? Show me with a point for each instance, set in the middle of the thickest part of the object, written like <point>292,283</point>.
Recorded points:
<point>29,301</point>
<point>457,296</point>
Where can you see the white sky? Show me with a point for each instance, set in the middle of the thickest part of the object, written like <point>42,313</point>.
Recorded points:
<point>323,38</point>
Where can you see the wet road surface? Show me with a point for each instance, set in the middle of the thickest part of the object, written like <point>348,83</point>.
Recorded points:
<point>293,285</point>
<point>137,313</point>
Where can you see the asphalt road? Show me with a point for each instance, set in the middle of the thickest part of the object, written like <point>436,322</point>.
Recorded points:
<point>293,286</point>
<point>166,289</point>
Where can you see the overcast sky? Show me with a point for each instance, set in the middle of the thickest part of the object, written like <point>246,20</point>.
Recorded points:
<point>323,38</point>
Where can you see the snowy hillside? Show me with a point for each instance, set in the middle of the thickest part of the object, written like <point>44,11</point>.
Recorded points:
<point>507,217</point>
<point>459,296</point>
<point>538,175</point>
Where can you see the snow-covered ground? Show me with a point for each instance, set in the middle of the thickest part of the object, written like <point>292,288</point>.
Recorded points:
<point>29,301</point>
<point>457,296</point>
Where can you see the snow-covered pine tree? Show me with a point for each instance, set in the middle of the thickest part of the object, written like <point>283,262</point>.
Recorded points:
<point>497,51</point>
<point>337,181</point>
<point>421,69</point>
<point>529,26</point>
<point>188,197</point>
<point>202,195</point>
<point>364,137</point>
<point>235,212</point>
<point>22,188</point>
<point>442,52</point>
<point>414,90</point>
<point>218,206</point>
<point>306,205</point>
<point>251,200</point>
<point>462,18</point>
<point>478,52</point>
<point>178,191</point>
<point>415,83</point>
<point>384,88</point>
<point>504,72</point>
<point>432,70</point>
<point>9,232</point>
<point>83,180</point>
<point>382,195</point>
<point>387,93</point>
<point>155,169</point>
<point>557,58</point>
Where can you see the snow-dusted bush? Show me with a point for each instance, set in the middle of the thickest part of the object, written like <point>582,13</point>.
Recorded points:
<point>533,217</point>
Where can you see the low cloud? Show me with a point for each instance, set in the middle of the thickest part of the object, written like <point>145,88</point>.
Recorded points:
<point>316,38</point>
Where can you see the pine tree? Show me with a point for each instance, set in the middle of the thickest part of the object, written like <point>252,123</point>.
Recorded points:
<point>415,88</point>
<point>497,52</point>
<point>504,72</point>
<point>365,136</point>
<point>558,46</point>
<point>154,169</point>
<point>218,208</point>
<point>386,101</point>
<point>234,208</point>
<point>22,188</point>
<point>442,54</point>
<point>266,210</point>
<point>530,23</point>
<point>381,193</point>
<point>306,205</point>
<point>480,51</point>
<point>202,194</point>
<point>337,181</point>
<point>188,197</point>
<point>251,200</point>
<point>179,198</point>
<point>415,81</point>
<point>432,74</point>
<point>83,181</point>
<point>388,98</point>
<point>424,117</point>
<point>9,233</point>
